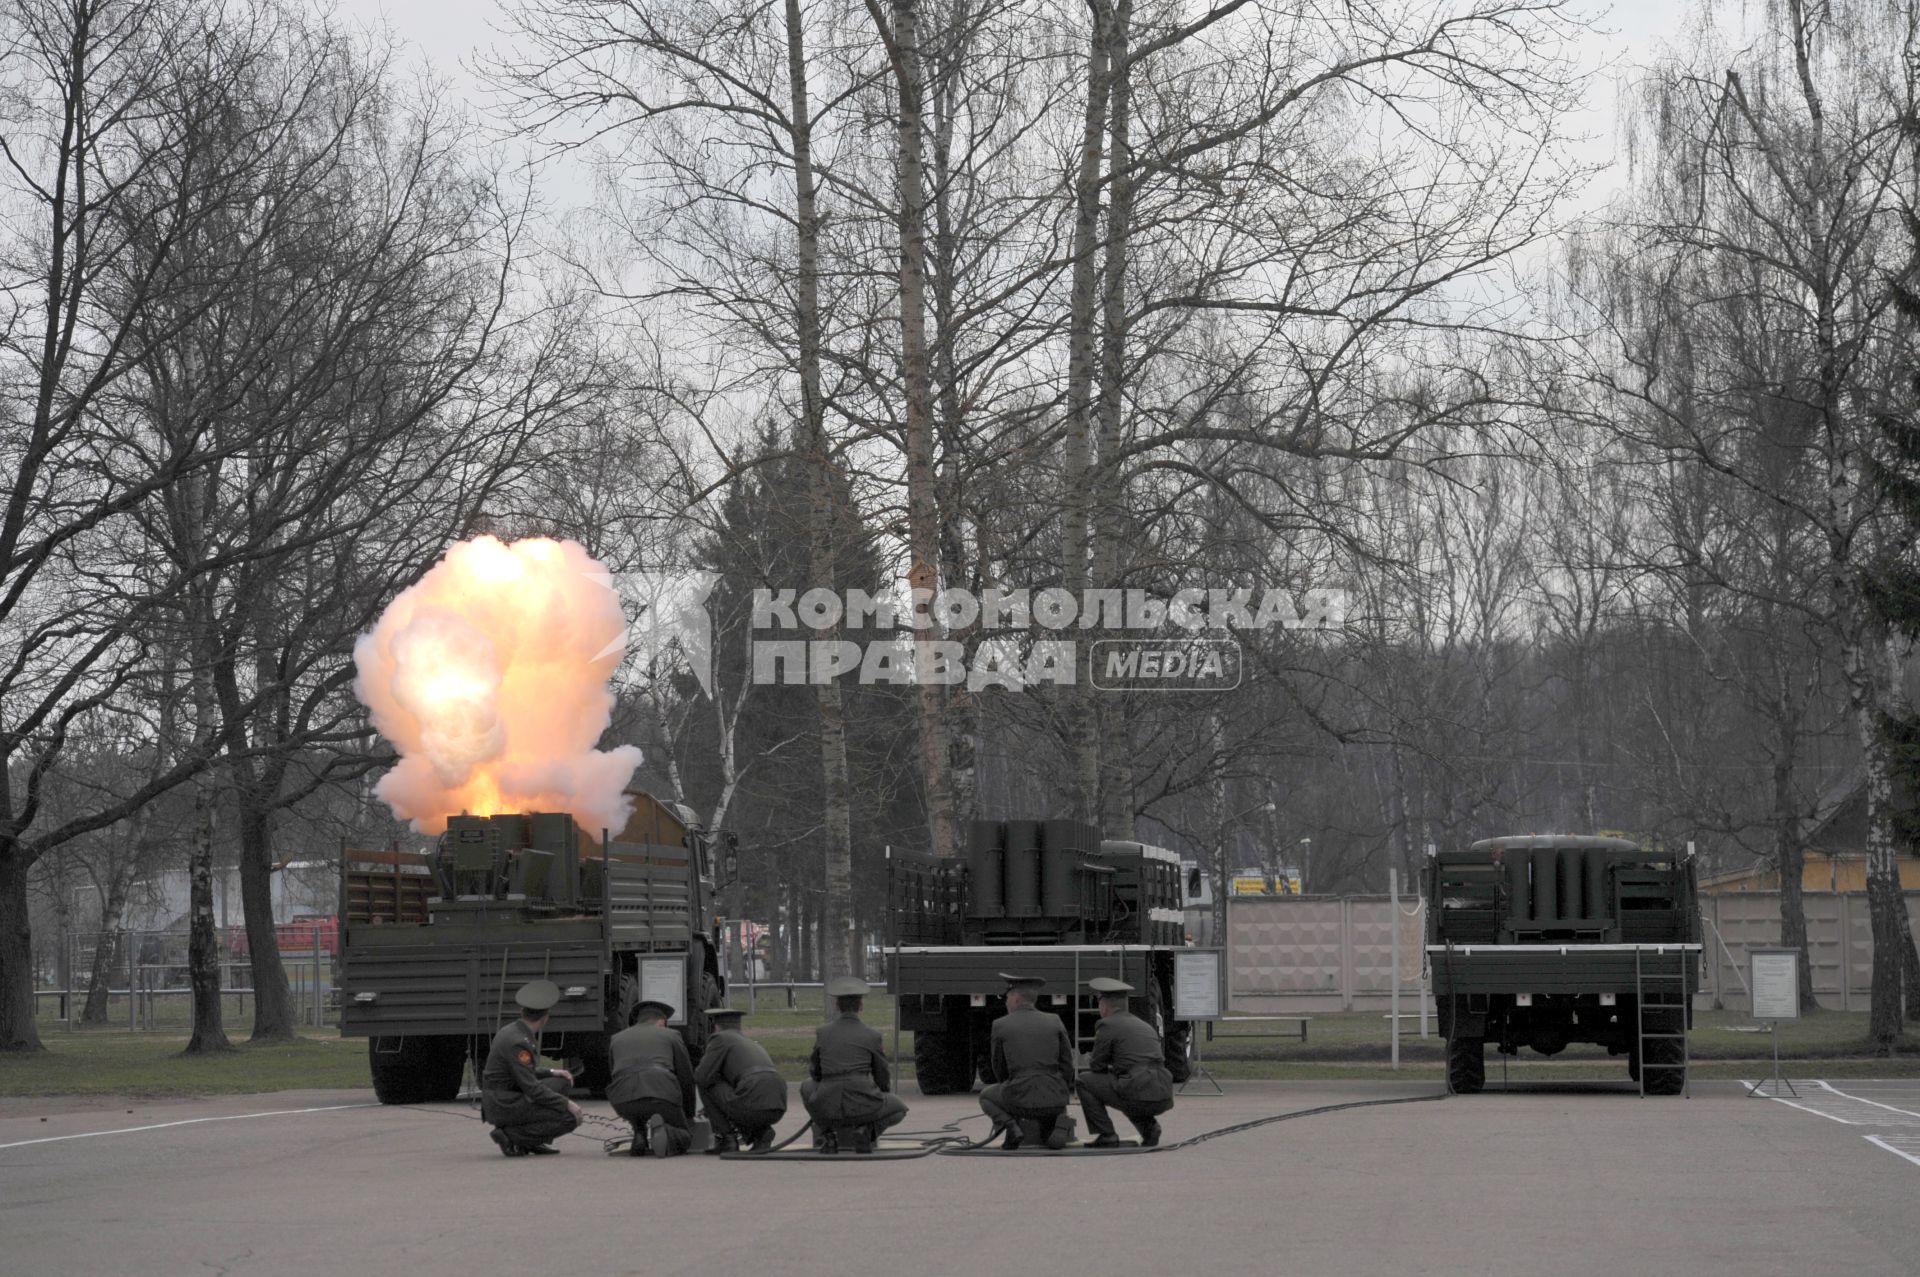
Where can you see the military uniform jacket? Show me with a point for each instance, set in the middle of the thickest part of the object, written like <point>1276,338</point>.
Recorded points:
<point>1033,1057</point>
<point>743,1064</point>
<point>650,1062</point>
<point>850,1067</point>
<point>1127,1047</point>
<point>510,1089</point>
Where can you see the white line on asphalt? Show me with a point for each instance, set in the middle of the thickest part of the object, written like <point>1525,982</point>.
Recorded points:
<point>1897,1152</point>
<point>1876,1103</point>
<point>191,1121</point>
<point>1803,1108</point>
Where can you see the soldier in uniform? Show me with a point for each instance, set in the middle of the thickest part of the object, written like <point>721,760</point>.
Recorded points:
<point>744,1095</point>
<point>652,1082</point>
<point>527,1105</point>
<point>1127,1070</point>
<point>1033,1057</point>
<point>848,1080</point>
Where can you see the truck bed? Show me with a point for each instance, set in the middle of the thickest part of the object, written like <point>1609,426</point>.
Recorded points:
<point>970,969</point>
<point>1557,968</point>
<point>448,978</point>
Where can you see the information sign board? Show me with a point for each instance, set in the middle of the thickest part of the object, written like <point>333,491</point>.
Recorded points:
<point>1196,984</point>
<point>662,980</point>
<point>1774,979</point>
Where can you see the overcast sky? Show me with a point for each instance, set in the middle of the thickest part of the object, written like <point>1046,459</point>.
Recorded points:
<point>443,33</point>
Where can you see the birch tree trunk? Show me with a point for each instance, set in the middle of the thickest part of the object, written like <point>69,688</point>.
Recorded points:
<point>1078,450</point>
<point>836,951</point>
<point>106,952</point>
<point>203,941</point>
<point>1108,482</point>
<point>923,514</point>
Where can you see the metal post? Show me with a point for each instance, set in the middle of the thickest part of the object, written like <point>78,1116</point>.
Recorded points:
<point>316,975</point>
<point>133,943</point>
<point>1393,897</point>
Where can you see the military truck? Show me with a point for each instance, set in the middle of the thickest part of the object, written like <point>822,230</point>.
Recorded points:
<point>1046,898</point>
<point>1545,940</point>
<point>435,943</point>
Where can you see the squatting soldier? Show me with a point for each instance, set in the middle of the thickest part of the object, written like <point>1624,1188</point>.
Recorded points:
<point>652,1082</point>
<point>848,1081</point>
<point>1031,1051</point>
<point>526,1104</point>
<point>743,1093</point>
<point>1127,1070</point>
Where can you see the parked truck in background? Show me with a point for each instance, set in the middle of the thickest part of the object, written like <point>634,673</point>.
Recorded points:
<point>1546,940</point>
<point>435,943</point>
<point>1035,898</point>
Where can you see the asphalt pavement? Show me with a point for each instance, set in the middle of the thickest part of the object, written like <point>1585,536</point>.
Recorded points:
<point>1542,1179</point>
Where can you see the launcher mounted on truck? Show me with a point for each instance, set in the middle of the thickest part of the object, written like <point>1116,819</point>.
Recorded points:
<point>1547,940</point>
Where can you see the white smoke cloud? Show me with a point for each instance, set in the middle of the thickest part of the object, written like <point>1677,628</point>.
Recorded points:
<point>489,677</point>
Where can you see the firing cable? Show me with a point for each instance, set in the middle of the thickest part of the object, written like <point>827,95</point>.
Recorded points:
<point>948,1140</point>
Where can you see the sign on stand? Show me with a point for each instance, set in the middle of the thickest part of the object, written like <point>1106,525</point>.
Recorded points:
<point>664,980</point>
<point>1773,979</point>
<point>1196,984</point>
<point>1196,997</point>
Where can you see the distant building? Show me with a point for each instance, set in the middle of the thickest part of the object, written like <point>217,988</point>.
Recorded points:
<point>1835,838</point>
<point>1822,871</point>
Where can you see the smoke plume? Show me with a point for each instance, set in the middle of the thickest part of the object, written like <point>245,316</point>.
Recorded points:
<point>489,677</point>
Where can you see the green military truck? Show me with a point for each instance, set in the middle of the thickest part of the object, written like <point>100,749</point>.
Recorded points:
<point>1545,940</point>
<point>1048,898</point>
<point>435,943</point>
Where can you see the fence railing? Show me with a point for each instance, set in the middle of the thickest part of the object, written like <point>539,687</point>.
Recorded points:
<point>151,970</point>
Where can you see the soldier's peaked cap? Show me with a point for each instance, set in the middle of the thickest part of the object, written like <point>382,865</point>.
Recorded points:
<point>1022,981</point>
<point>1108,985</point>
<point>847,986</point>
<point>538,995</point>
<point>724,1013</point>
<point>655,1005</point>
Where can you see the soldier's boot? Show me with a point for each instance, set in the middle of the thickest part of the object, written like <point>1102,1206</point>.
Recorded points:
<point>763,1141</point>
<point>1062,1134</point>
<point>1012,1141</point>
<point>1150,1134</point>
<point>657,1137</point>
<point>723,1144</point>
<point>863,1139</point>
<point>1105,1141</point>
<point>830,1142</point>
<point>543,1150</point>
<point>507,1147</point>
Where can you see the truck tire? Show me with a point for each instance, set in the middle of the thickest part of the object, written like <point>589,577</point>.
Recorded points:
<point>591,1049</point>
<point>942,1062</point>
<point>419,1070</point>
<point>1178,1048</point>
<point>1176,1036</point>
<point>1466,1065</point>
<point>1669,1080</point>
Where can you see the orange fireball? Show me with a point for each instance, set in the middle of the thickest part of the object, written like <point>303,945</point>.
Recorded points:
<point>489,677</point>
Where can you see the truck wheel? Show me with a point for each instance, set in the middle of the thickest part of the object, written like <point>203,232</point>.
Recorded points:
<point>1665,1081</point>
<point>1466,1065</point>
<point>1178,1048</point>
<point>596,1065</point>
<point>1176,1036</point>
<point>419,1070</point>
<point>942,1062</point>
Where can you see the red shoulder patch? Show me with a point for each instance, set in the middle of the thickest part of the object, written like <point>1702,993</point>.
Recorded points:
<point>526,1056</point>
